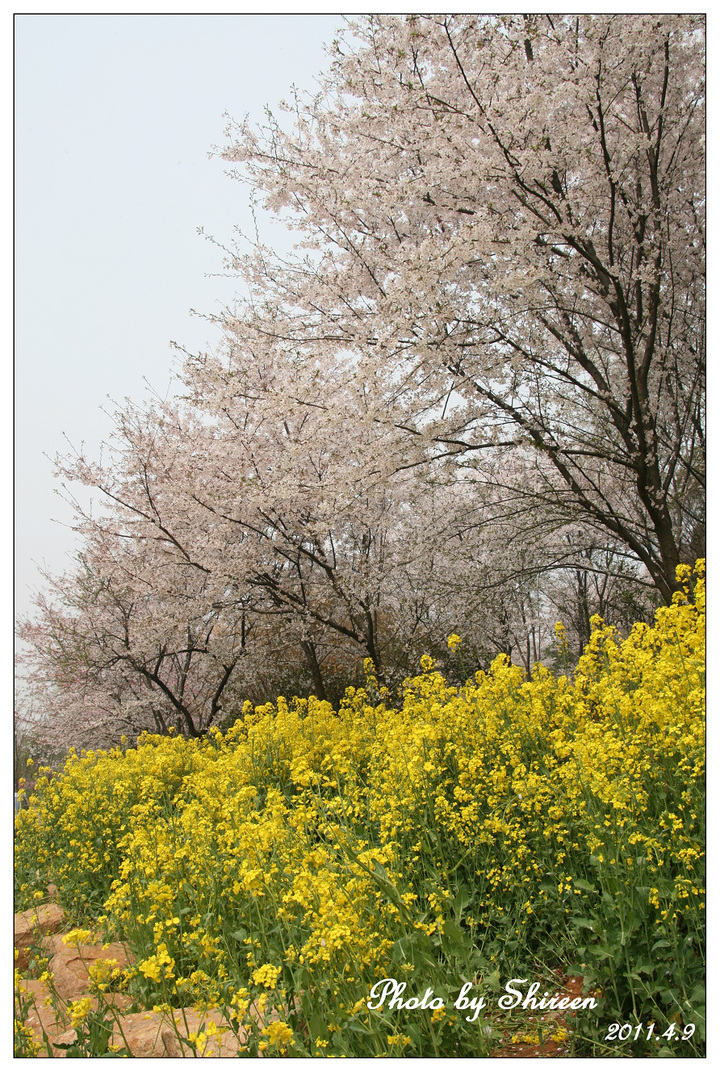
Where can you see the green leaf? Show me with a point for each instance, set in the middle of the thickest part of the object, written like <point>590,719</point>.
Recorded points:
<point>318,1027</point>
<point>359,1028</point>
<point>604,952</point>
<point>698,995</point>
<point>462,900</point>
<point>454,933</point>
<point>579,921</point>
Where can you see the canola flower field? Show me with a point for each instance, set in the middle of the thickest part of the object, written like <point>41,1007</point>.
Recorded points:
<point>507,829</point>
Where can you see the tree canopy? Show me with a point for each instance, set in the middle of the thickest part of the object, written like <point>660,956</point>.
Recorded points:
<point>508,218</point>
<point>471,399</point>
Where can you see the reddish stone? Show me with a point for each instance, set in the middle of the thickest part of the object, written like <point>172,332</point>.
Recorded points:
<point>31,925</point>
<point>70,964</point>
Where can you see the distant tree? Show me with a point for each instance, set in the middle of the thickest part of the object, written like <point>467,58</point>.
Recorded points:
<point>112,651</point>
<point>269,531</point>
<point>275,488</point>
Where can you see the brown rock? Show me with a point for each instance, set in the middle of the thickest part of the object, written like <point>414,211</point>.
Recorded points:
<point>150,1034</point>
<point>41,1016</point>
<point>70,964</point>
<point>188,1021</point>
<point>142,1035</point>
<point>51,944</point>
<point>31,925</point>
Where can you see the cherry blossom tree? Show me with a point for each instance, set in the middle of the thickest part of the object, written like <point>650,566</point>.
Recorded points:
<point>127,644</point>
<point>470,401</point>
<point>281,488</point>
<point>502,220</point>
<point>272,518</point>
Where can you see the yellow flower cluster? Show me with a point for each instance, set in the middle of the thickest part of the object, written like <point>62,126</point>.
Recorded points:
<point>267,975</point>
<point>310,847</point>
<point>78,1011</point>
<point>278,1034</point>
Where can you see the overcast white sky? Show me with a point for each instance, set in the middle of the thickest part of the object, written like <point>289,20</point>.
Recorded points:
<point>114,118</point>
